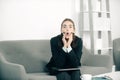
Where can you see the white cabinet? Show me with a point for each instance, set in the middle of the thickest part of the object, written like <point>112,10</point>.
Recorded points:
<point>95,26</point>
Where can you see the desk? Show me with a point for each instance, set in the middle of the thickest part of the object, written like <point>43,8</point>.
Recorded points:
<point>113,75</point>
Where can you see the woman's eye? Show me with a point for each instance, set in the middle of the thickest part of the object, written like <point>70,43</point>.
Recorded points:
<point>70,26</point>
<point>64,26</point>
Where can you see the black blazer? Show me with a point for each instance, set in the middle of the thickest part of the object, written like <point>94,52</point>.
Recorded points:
<point>61,59</point>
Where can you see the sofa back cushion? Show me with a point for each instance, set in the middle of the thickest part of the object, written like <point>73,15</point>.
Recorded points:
<point>85,56</point>
<point>116,53</point>
<point>33,54</point>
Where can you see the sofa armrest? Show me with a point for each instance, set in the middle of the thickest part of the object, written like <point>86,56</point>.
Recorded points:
<point>12,71</point>
<point>99,61</point>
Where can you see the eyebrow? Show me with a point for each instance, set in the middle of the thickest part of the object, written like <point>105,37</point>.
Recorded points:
<point>66,25</point>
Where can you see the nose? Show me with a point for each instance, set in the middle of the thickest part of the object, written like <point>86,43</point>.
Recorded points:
<point>67,29</point>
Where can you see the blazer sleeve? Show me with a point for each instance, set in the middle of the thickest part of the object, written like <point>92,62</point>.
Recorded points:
<point>75,54</point>
<point>58,55</point>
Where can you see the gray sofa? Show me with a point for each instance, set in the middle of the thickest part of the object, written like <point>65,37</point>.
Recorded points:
<point>26,60</point>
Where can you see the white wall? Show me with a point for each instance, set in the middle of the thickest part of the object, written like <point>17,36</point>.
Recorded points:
<point>34,19</point>
<point>115,18</point>
<point>41,19</point>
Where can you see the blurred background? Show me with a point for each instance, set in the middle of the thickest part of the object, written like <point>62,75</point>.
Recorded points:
<point>41,19</point>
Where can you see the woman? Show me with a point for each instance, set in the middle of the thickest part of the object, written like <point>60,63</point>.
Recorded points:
<point>66,51</point>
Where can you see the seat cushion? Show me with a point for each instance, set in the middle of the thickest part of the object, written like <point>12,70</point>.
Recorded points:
<point>84,70</point>
<point>93,70</point>
<point>40,76</point>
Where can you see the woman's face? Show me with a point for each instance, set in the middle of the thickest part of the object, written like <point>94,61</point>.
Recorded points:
<point>67,28</point>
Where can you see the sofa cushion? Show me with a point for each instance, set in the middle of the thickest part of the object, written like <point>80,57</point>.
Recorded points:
<point>32,54</point>
<point>93,70</point>
<point>40,76</point>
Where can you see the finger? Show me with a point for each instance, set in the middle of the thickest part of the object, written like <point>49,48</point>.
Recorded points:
<point>63,33</point>
<point>63,36</point>
<point>71,35</point>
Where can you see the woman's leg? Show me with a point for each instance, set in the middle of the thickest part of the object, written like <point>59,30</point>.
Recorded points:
<point>63,76</point>
<point>75,75</point>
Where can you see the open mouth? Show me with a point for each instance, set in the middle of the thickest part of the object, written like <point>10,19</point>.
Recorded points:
<point>67,33</point>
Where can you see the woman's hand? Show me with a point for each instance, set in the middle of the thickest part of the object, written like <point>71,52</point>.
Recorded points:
<point>70,40</point>
<point>67,40</point>
<point>64,40</point>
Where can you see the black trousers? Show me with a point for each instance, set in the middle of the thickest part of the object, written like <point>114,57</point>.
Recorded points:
<point>69,75</point>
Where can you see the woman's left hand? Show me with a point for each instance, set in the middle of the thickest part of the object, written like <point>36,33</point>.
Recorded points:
<point>70,39</point>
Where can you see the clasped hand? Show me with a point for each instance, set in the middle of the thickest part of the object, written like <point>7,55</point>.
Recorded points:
<point>67,39</point>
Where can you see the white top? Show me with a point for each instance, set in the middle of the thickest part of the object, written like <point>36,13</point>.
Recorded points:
<point>67,50</point>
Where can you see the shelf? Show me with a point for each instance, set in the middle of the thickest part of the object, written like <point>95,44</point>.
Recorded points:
<point>96,30</point>
<point>96,25</point>
<point>107,48</point>
<point>95,11</point>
